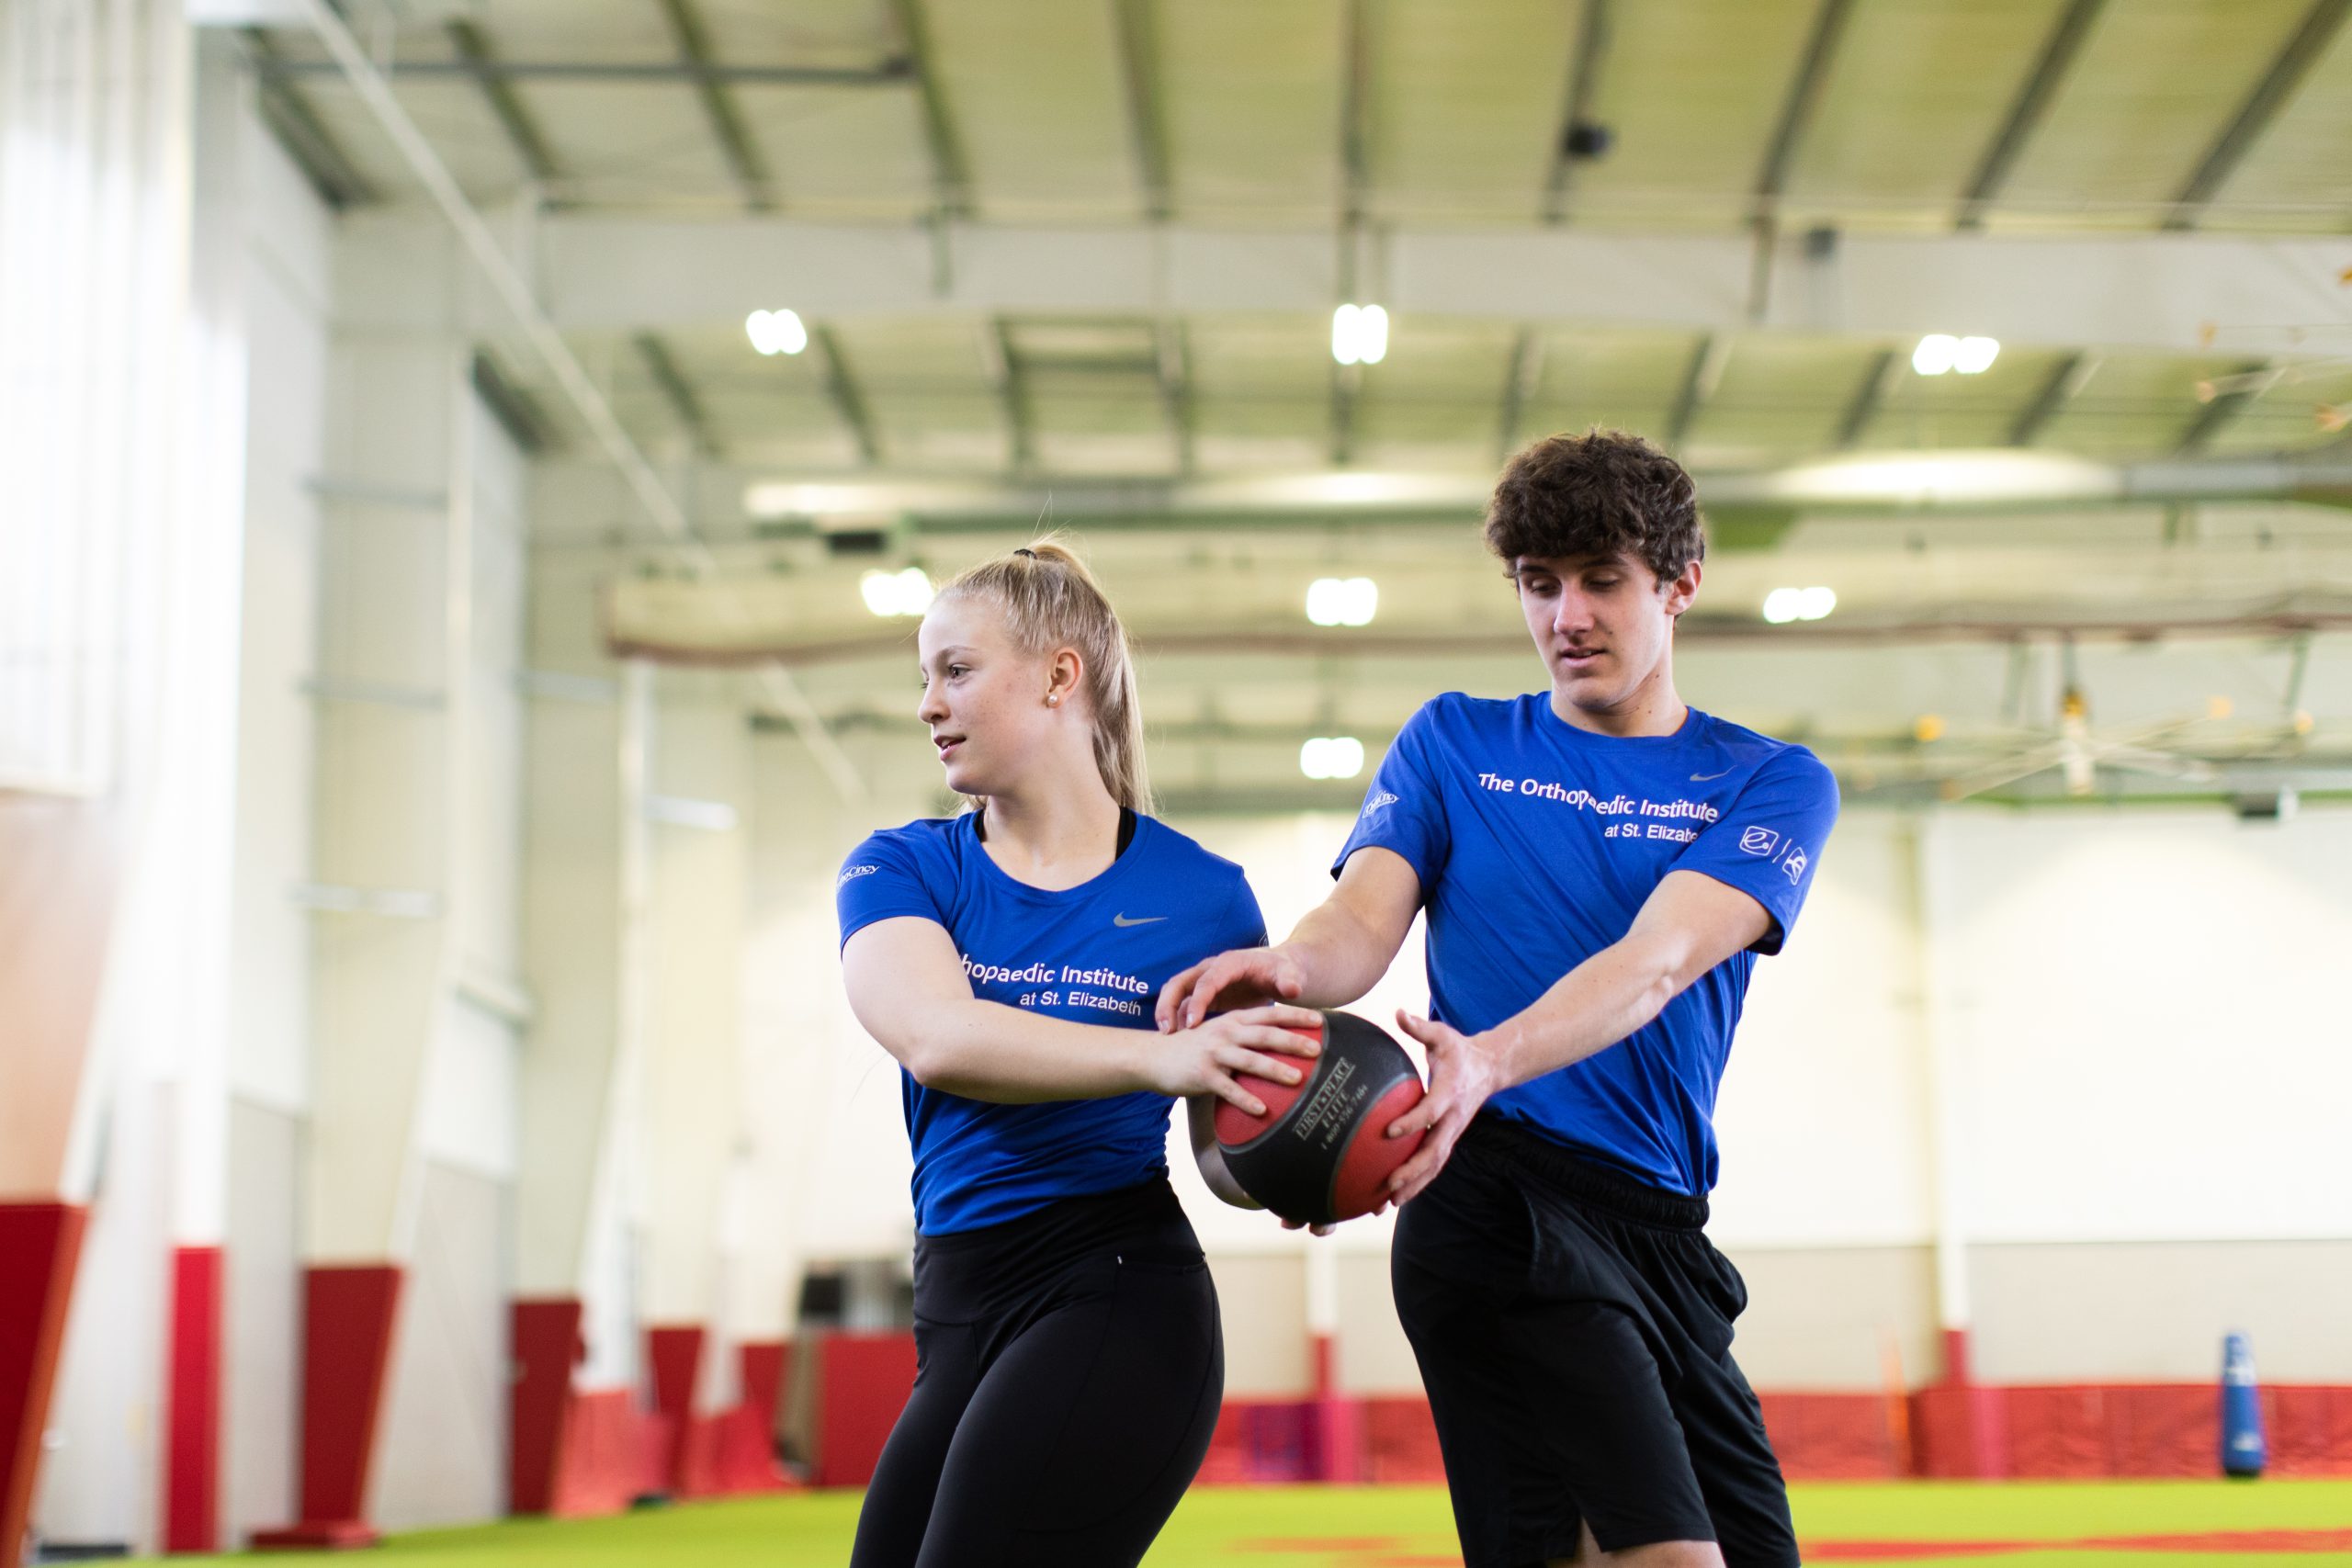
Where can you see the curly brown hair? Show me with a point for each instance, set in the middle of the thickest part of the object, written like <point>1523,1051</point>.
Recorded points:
<point>1600,494</point>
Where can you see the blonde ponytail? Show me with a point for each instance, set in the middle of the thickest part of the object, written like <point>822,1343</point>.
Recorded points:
<point>1051,601</point>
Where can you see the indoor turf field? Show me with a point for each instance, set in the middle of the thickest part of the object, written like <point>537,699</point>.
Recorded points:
<point>2287,1524</point>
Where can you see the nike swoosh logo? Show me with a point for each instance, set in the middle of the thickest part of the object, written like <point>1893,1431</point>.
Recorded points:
<point>1122,923</point>
<point>1704,778</point>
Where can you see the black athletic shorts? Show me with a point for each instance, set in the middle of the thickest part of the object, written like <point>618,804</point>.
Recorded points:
<point>1069,1366</point>
<point>1574,1331</point>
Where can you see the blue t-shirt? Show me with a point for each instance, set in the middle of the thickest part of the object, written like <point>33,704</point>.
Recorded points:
<point>1098,953</point>
<point>1536,845</point>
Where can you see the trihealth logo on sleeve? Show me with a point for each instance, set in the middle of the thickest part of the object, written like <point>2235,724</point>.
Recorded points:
<point>851,874</point>
<point>1759,841</point>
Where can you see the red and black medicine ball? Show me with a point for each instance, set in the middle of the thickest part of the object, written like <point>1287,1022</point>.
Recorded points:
<point>1319,1154</point>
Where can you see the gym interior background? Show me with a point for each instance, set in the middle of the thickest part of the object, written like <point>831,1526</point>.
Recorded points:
<point>469,465</point>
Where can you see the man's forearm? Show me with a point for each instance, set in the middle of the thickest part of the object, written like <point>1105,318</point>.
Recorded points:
<point>1337,955</point>
<point>1591,1008</point>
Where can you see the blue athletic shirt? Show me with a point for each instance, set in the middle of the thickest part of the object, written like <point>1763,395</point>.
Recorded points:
<point>1536,845</point>
<point>1098,953</point>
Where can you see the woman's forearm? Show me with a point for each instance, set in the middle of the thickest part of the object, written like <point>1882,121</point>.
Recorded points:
<point>1002,1054</point>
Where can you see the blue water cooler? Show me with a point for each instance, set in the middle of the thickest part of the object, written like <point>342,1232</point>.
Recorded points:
<point>2243,1449</point>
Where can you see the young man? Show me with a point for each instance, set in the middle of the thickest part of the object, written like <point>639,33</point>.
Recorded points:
<point>1601,865</point>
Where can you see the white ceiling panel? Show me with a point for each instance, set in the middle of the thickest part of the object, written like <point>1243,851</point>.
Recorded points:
<point>1251,102</point>
<point>2154,87</point>
<point>1692,89</point>
<point>1917,93</point>
<point>1034,93</point>
<point>1465,118</point>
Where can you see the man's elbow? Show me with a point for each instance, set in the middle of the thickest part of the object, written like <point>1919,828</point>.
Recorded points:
<point>1662,971</point>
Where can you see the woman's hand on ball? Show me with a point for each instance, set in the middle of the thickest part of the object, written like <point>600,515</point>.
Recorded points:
<point>1254,1040</point>
<point>1462,1075</point>
<point>1313,1229</point>
<point>1243,977</point>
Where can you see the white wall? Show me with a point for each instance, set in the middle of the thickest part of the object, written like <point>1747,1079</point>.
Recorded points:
<point>2136,1000</point>
<point>442,1457</point>
<point>286,324</point>
<point>2148,1008</point>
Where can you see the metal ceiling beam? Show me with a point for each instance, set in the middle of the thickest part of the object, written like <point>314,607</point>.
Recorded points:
<point>744,159</point>
<point>1886,366</point>
<point>1347,389</point>
<point>1147,116</point>
<point>1174,348</point>
<point>951,176</point>
<point>2270,95</point>
<point>299,129</point>
<point>2248,382</point>
<point>618,273</point>
<point>890,72</point>
<point>518,413</point>
<point>1003,368</point>
<point>1584,92</point>
<point>1355,124</point>
<point>2066,383</point>
<point>1524,374</point>
<point>2026,113</point>
<point>1797,111</point>
<point>847,397</point>
<point>530,145</point>
<point>1700,379</point>
<point>1878,482</point>
<point>664,367</point>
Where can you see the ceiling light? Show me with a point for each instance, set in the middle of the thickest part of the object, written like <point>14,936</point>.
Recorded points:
<point>1785,605</point>
<point>776,331</point>
<point>1936,353</point>
<point>888,594</point>
<point>1331,757</point>
<point>1342,601</point>
<point>1975,354</point>
<point>1360,335</point>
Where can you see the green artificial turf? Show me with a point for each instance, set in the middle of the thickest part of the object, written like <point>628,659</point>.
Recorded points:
<point>1409,1526</point>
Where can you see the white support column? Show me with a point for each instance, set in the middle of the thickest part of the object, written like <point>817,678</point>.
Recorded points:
<point>1941,1131</point>
<point>694,1123</point>
<point>395,786</point>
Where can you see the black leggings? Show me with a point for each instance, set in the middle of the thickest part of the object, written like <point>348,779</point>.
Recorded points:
<point>1069,1367</point>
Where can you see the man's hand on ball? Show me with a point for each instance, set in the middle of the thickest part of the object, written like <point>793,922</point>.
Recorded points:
<point>1464,1074</point>
<point>1255,1041</point>
<point>1246,977</point>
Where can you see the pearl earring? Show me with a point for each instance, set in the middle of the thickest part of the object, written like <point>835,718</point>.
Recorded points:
<point>1052,701</point>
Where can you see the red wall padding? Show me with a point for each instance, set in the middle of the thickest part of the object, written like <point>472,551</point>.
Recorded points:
<point>2309,1430</point>
<point>192,1414</point>
<point>1400,1442</point>
<point>545,1339</point>
<point>2028,1431</point>
<point>673,1355</point>
<point>348,1314</point>
<point>1833,1436</point>
<point>612,1452</point>
<point>867,1379</point>
<point>40,1245</point>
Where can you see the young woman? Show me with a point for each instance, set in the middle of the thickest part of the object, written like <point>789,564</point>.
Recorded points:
<point>1070,1358</point>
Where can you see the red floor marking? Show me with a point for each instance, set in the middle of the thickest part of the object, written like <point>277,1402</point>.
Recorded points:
<point>2282,1541</point>
<point>1309,1545</point>
<point>2277,1541</point>
<point>1874,1551</point>
<point>2228,1541</point>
